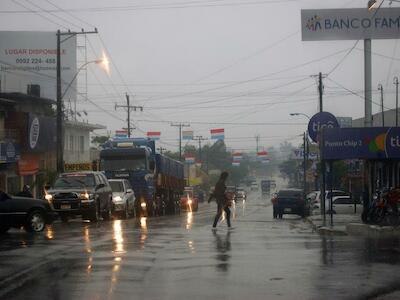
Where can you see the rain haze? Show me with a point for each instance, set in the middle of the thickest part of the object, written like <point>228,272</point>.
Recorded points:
<point>212,64</point>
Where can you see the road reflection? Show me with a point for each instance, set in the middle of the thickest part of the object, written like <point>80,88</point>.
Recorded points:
<point>189,220</point>
<point>143,232</point>
<point>118,237</point>
<point>49,232</point>
<point>223,247</point>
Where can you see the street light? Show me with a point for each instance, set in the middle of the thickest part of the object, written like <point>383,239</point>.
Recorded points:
<point>103,62</point>
<point>300,114</point>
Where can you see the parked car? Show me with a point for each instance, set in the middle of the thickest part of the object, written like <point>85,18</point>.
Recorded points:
<point>82,193</point>
<point>254,186</point>
<point>189,201</point>
<point>291,201</point>
<point>32,214</point>
<point>240,194</point>
<point>341,196</point>
<point>123,198</point>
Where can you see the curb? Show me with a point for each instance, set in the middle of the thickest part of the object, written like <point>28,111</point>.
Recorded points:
<point>325,230</point>
<point>372,230</point>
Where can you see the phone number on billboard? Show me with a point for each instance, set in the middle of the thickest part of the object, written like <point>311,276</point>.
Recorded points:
<point>35,61</point>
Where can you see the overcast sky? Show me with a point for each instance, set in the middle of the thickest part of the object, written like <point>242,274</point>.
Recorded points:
<point>212,61</point>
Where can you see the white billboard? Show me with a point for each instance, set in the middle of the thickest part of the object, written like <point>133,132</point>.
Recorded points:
<point>350,24</point>
<point>30,57</point>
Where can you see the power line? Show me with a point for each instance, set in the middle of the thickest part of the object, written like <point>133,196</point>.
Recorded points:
<point>106,9</point>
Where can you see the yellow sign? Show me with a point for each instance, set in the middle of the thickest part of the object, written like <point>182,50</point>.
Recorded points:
<point>78,167</point>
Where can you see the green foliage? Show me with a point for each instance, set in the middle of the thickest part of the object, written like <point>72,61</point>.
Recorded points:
<point>100,139</point>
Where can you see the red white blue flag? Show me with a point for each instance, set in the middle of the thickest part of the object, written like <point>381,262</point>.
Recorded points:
<point>190,159</point>
<point>237,156</point>
<point>121,134</point>
<point>154,135</point>
<point>218,134</point>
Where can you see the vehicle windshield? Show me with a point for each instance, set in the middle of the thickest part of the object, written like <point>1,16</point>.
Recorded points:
<point>290,194</point>
<point>117,186</point>
<point>75,181</point>
<point>124,164</point>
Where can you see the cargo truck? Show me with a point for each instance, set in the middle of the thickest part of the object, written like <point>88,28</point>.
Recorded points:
<point>158,181</point>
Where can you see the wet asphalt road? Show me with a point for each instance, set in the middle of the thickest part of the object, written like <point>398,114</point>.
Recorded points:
<point>179,257</point>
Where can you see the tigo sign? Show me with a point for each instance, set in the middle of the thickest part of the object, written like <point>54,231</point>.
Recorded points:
<point>321,120</point>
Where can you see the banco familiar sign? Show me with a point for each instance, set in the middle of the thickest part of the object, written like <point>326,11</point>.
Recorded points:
<point>350,24</point>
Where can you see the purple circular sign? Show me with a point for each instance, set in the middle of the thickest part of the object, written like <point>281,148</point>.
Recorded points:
<point>319,121</point>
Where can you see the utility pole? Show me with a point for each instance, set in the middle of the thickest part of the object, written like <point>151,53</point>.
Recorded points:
<point>60,114</point>
<point>380,88</point>
<point>257,142</point>
<point>180,125</point>
<point>199,138</point>
<point>161,149</point>
<point>320,77</point>
<point>396,82</point>
<point>304,164</point>
<point>129,107</point>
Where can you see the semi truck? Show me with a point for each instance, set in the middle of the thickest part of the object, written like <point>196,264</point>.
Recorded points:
<point>157,180</point>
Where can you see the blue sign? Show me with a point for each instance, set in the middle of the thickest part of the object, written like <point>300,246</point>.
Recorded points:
<point>9,152</point>
<point>321,120</point>
<point>361,143</point>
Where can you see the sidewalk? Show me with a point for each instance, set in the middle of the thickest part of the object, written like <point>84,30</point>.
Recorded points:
<point>350,224</point>
<point>340,223</point>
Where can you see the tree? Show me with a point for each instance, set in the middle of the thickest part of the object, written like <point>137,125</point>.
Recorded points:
<point>100,139</point>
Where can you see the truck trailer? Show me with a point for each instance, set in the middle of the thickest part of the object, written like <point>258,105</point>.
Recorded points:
<point>157,180</point>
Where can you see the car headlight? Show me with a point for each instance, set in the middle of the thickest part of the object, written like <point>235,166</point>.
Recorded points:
<point>190,202</point>
<point>117,198</point>
<point>143,204</point>
<point>48,197</point>
<point>86,196</point>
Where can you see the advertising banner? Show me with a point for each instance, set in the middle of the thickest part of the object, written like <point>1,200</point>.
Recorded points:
<point>154,135</point>
<point>361,143</point>
<point>350,24</point>
<point>9,152</point>
<point>41,134</point>
<point>30,58</point>
<point>321,120</point>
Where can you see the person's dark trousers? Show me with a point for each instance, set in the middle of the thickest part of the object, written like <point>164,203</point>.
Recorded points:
<point>219,213</point>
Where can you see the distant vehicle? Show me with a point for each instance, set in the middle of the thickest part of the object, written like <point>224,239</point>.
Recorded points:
<point>254,186</point>
<point>32,214</point>
<point>231,191</point>
<point>266,186</point>
<point>123,198</point>
<point>240,194</point>
<point>81,193</point>
<point>291,201</point>
<point>189,201</point>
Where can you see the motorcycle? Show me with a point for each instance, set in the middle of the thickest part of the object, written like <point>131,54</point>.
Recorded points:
<point>383,208</point>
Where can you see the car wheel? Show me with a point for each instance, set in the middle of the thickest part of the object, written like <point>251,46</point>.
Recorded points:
<point>107,215</point>
<point>125,213</point>
<point>35,222</point>
<point>94,214</point>
<point>4,228</point>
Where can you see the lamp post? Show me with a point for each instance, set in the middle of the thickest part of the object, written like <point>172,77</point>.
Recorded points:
<point>300,114</point>
<point>396,83</point>
<point>380,88</point>
<point>60,138</point>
